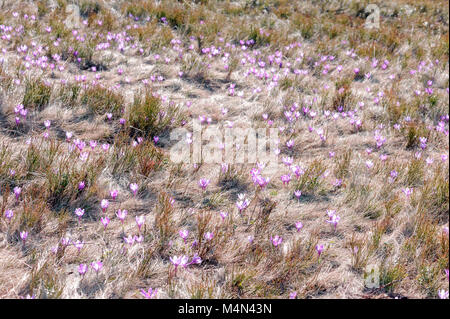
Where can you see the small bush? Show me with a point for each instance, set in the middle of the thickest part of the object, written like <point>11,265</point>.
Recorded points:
<point>88,8</point>
<point>344,97</point>
<point>412,132</point>
<point>100,100</point>
<point>37,95</point>
<point>164,223</point>
<point>343,164</point>
<point>311,181</point>
<point>434,198</point>
<point>147,117</point>
<point>142,159</point>
<point>69,94</point>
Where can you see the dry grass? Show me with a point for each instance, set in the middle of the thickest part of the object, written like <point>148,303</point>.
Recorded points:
<point>363,114</point>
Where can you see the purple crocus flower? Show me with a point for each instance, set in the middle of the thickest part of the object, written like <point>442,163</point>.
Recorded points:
<point>203,183</point>
<point>319,249</point>
<point>184,234</point>
<point>23,235</point>
<point>150,293</point>
<point>97,266</point>
<point>134,188</point>
<point>9,214</point>
<point>121,214</point>
<point>105,221</point>
<point>17,191</point>
<point>104,204</point>
<point>140,220</point>
<point>113,193</point>
<point>82,269</point>
<point>79,212</point>
<point>276,241</point>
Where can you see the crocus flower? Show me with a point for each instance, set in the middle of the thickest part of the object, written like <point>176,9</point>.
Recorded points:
<point>81,185</point>
<point>114,193</point>
<point>79,212</point>
<point>150,294</point>
<point>78,245</point>
<point>203,183</point>
<point>179,261</point>
<point>331,212</point>
<point>223,215</point>
<point>334,220</point>
<point>82,269</point>
<point>394,174</point>
<point>286,179</point>
<point>337,182</point>
<point>445,230</point>
<point>9,214</point>
<point>407,191</point>
<point>105,221</point>
<point>65,241</point>
<point>298,171</point>
<point>242,203</point>
<point>17,191</point>
<point>224,168</point>
<point>298,225</point>
<point>104,204</point>
<point>209,236</point>
<point>277,240</point>
<point>23,235</point>
<point>129,240</point>
<point>443,294</point>
<point>319,249</point>
<point>293,295</point>
<point>97,266</point>
<point>184,234</point>
<point>140,220</point>
<point>260,181</point>
<point>139,239</point>
<point>290,144</point>
<point>134,188</point>
<point>287,161</point>
<point>121,214</point>
<point>196,260</point>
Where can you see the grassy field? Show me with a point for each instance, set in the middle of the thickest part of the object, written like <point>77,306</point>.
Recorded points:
<point>94,206</point>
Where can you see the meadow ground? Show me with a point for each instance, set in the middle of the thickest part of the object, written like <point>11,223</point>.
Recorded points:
<point>94,206</point>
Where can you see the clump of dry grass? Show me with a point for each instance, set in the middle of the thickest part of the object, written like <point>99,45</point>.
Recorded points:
<point>115,87</point>
<point>37,94</point>
<point>148,117</point>
<point>100,101</point>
